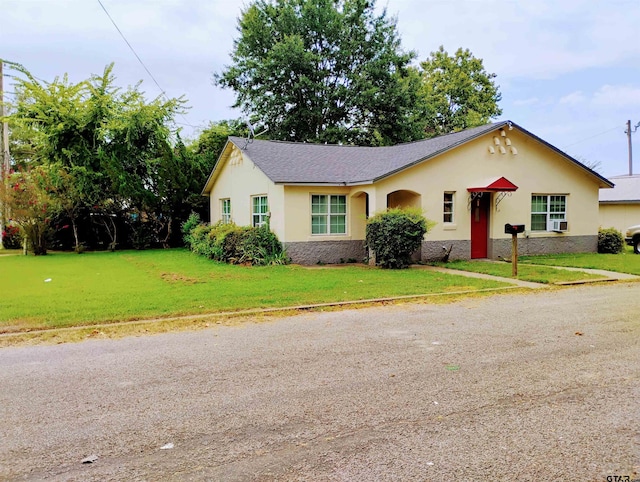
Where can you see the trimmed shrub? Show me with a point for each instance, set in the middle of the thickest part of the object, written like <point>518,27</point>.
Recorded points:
<point>234,244</point>
<point>395,235</point>
<point>610,241</point>
<point>217,236</point>
<point>262,247</point>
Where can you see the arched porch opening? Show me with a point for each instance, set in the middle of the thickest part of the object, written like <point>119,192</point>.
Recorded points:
<point>360,212</point>
<point>404,199</point>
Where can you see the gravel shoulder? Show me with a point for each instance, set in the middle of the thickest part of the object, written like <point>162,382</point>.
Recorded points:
<point>537,386</point>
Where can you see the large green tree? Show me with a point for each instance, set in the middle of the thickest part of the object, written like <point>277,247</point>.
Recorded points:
<point>211,140</point>
<point>457,92</point>
<point>114,149</point>
<point>323,71</point>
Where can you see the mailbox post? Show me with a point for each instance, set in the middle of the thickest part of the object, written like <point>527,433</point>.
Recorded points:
<point>513,230</point>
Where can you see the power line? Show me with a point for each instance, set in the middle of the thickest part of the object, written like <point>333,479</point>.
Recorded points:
<point>592,137</point>
<point>162,92</point>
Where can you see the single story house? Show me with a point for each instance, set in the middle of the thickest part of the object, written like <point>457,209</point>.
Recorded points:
<point>620,206</point>
<point>317,197</point>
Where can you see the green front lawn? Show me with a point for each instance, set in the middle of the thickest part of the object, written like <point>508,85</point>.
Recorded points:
<point>65,289</point>
<point>536,274</point>
<point>625,262</point>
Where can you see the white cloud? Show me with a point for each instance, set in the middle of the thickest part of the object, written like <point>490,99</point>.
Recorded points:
<point>617,96</point>
<point>573,98</point>
<point>542,39</point>
<point>529,101</point>
<point>575,50</point>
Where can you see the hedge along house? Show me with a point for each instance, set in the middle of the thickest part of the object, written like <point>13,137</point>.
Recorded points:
<point>317,197</point>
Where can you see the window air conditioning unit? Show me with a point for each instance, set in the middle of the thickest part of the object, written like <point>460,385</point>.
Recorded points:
<point>558,225</point>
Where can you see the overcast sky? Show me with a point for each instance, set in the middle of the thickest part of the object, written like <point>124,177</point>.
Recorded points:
<point>568,70</point>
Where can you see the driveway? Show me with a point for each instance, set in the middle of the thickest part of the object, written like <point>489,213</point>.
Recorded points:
<point>530,387</point>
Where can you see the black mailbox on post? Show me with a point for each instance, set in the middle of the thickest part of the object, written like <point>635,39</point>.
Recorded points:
<point>513,228</point>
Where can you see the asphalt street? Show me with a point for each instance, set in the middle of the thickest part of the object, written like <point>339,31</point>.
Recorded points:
<point>540,386</point>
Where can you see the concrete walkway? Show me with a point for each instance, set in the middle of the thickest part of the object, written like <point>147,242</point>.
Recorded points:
<point>606,276</point>
<point>471,274</point>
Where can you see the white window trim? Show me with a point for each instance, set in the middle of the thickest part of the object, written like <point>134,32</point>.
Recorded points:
<point>453,208</point>
<point>224,216</point>
<point>328,215</point>
<point>548,213</point>
<point>264,217</point>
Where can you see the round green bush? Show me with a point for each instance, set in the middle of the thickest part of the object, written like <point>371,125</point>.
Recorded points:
<point>395,235</point>
<point>610,241</point>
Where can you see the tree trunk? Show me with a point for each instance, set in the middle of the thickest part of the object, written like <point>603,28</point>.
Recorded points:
<point>77,248</point>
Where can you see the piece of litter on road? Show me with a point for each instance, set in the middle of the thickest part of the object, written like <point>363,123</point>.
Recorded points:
<point>47,280</point>
<point>90,459</point>
<point>579,333</point>
<point>453,368</point>
<point>435,403</point>
<point>429,463</point>
<point>167,446</point>
<point>435,343</point>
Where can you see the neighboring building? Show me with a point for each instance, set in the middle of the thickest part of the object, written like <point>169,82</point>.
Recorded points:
<point>620,206</point>
<point>317,197</point>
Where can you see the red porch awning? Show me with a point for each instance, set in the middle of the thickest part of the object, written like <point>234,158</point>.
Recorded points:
<point>501,184</point>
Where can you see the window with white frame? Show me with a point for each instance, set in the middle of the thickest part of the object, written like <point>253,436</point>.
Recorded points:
<point>447,216</point>
<point>225,208</point>
<point>259,211</point>
<point>546,207</point>
<point>328,214</point>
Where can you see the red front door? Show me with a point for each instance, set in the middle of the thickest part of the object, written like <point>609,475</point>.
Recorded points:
<point>480,225</point>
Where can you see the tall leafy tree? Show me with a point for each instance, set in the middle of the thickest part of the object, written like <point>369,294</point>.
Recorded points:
<point>323,71</point>
<point>457,92</point>
<point>107,144</point>
<point>211,140</point>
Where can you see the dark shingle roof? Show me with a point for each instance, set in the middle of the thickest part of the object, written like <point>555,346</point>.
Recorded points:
<point>295,162</point>
<point>300,163</point>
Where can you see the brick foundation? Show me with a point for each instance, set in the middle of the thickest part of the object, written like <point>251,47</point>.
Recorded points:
<point>330,252</point>
<point>433,250</point>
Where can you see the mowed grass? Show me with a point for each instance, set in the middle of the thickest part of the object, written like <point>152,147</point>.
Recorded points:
<point>625,262</point>
<point>535,274</point>
<point>65,289</point>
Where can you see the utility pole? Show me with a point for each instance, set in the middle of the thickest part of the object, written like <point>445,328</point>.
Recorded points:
<point>628,132</point>
<point>6,163</point>
<point>4,169</point>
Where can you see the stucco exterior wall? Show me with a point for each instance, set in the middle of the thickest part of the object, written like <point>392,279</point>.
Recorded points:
<point>619,216</point>
<point>535,169</point>
<point>298,214</point>
<point>239,180</point>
